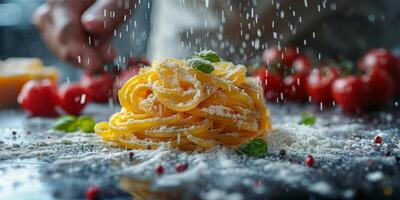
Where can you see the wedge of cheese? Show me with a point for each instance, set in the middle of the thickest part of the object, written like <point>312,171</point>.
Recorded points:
<point>15,72</point>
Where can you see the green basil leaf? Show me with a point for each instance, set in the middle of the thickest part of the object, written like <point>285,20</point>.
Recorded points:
<point>307,119</point>
<point>208,55</point>
<point>254,148</point>
<point>66,123</point>
<point>86,124</point>
<point>202,65</point>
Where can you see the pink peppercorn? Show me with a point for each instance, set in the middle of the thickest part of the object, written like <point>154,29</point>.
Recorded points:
<point>309,160</point>
<point>378,139</point>
<point>92,193</point>
<point>181,167</point>
<point>160,169</point>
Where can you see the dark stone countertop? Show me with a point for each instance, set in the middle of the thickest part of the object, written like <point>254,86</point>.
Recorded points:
<point>39,164</point>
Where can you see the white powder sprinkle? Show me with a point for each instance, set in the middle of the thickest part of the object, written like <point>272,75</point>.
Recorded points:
<point>322,188</point>
<point>375,176</point>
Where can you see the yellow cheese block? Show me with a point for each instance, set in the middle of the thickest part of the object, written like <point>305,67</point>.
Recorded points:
<point>15,72</point>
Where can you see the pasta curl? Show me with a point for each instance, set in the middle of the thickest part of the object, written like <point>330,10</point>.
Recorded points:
<point>175,104</point>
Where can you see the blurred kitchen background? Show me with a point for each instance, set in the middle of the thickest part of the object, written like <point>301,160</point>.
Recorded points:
<point>19,37</point>
<point>372,24</point>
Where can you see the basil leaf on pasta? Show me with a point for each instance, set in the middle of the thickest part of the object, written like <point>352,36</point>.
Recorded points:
<point>208,55</point>
<point>201,65</point>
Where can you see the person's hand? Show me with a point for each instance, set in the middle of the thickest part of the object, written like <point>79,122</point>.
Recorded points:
<point>80,31</point>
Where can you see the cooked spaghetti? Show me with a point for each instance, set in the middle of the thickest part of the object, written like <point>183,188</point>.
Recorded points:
<point>173,103</point>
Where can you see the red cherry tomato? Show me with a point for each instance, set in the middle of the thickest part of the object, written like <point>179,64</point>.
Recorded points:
<point>380,88</point>
<point>271,83</point>
<point>289,56</point>
<point>39,98</point>
<point>301,65</point>
<point>382,59</point>
<point>350,93</point>
<point>319,84</point>
<point>99,87</point>
<point>73,98</point>
<point>124,76</point>
<point>295,87</point>
<point>272,56</point>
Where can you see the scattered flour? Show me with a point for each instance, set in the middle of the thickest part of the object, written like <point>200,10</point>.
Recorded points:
<point>221,195</point>
<point>375,176</point>
<point>69,153</point>
<point>322,188</point>
<point>189,176</point>
<point>300,138</point>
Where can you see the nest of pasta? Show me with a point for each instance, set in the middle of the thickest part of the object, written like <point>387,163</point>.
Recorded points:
<point>185,107</point>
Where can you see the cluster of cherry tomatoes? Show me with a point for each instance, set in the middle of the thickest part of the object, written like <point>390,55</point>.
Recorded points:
<point>43,97</point>
<point>289,76</point>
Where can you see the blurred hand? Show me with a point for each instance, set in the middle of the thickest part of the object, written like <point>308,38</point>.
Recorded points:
<point>80,31</point>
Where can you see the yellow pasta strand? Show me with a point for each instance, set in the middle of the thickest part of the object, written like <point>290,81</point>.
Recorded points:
<point>171,103</point>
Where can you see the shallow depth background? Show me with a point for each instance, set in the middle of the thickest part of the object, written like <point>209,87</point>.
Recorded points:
<point>19,37</point>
